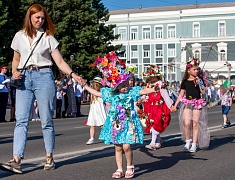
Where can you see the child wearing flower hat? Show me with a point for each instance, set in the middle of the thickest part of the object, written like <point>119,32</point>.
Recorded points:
<point>156,106</point>
<point>122,126</point>
<point>193,111</point>
<point>97,113</point>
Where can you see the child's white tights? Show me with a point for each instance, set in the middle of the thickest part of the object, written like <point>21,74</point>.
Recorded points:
<point>155,136</point>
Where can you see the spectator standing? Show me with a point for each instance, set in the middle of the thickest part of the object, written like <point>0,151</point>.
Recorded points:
<point>226,103</point>
<point>59,99</point>
<point>78,90</point>
<point>72,108</point>
<point>13,101</point>
<point>4,90</point>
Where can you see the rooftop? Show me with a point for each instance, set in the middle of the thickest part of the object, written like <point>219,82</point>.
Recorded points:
<point>172,8</point>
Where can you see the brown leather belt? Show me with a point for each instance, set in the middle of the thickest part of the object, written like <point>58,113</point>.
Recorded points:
<point>32,67</point>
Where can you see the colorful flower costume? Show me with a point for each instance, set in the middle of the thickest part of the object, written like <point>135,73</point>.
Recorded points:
<point>158,113</point>
<point>122,125</point>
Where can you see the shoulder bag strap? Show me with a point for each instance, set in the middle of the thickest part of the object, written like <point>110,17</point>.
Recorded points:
<point>32,52</point>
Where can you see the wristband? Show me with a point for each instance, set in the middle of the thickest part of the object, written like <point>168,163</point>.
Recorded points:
<point>70,75</point>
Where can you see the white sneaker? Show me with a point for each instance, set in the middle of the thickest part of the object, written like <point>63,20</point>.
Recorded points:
<point>186,148</point>
<point>187,145</point>
<point>90,141</point>
<point>193,148</point>
<point>158,145</point>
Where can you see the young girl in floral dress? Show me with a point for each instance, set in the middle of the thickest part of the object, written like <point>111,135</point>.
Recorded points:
<point>122,126</point>
<point>156,106</point>
<point>193,110</point>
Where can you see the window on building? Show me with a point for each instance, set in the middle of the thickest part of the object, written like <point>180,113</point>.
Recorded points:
<point>158,50</point>
<point>171,50</point>
<point>146,33</point>
<point>159,53</point>
<point>171,31</point>
<point>134,51</point>
<point>222,29</point>
<point>122,32</point>
<point>158,32</point>
<point>197,54</point>
<point>196,30</point>
<point>222,55</point>
<point>146,53</point>
<point>123,55</point>
<point>134,33</point>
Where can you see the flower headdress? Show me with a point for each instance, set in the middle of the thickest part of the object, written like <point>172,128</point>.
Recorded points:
<point>152,70</point>
<point>113,69</point>
<point>192,61</point>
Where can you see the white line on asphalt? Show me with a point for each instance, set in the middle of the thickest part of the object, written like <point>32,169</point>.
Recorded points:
<point>91,151</point>
<point>3,135</point>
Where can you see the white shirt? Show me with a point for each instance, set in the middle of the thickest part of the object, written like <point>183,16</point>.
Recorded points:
<point>41,55</point>
<point>78,89</point>
<point>209,91</point>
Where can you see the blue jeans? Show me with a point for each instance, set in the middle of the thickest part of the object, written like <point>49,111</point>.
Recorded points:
<point>37,84</point>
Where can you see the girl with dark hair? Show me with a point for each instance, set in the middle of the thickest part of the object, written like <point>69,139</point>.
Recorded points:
<point>193,111</point>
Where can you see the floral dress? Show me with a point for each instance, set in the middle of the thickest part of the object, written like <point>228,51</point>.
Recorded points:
<point>122,125</point>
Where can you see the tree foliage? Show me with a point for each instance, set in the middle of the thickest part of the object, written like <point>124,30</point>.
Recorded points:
<point>81,29</point>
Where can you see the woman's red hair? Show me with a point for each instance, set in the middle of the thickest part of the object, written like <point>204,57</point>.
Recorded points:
<point>47,26</point>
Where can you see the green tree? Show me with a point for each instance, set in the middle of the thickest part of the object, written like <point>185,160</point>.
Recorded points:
<point>82,32</point>
<point>12,14</point>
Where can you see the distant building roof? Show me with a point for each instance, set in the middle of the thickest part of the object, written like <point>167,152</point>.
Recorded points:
<point>171,8</point>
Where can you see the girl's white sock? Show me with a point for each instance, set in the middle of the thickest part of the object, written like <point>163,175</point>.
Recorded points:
<point>154,136</point>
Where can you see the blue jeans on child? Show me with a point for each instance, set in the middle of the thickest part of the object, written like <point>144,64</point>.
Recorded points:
<point>37,84</point>
<point>225,109</point>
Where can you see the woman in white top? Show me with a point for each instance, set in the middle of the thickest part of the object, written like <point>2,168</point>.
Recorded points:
<point>37,82</point>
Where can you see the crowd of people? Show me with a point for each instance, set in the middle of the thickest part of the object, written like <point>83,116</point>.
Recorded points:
<point>122,106</point>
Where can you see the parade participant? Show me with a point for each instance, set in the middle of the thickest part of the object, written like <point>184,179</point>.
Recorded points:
<point>4,90</point>
<point>97,113</point>
<point>193,110</point>
<point>37,82</point>
<point>157,106</point>
<point>122,126</point>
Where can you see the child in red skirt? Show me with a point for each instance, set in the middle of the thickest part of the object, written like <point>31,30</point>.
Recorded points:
<point>157,106</point>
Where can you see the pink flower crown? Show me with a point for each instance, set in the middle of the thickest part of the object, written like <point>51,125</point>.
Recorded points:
<point>152,70</point>
<point>193,62</point>
<point>113,70</point>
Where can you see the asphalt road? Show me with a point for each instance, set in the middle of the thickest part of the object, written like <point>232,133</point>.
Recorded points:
<point>76,160</point>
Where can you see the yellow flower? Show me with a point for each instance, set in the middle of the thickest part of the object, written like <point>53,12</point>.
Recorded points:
<point>105,62</point>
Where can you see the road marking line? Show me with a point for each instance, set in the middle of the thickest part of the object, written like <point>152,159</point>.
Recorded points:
<point>91,151</point>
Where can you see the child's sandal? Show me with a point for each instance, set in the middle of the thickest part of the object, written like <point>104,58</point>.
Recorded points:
<point>130,172</point>
<point>118,174</point>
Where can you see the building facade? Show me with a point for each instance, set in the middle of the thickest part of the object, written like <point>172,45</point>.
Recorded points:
<point>169,35</point>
